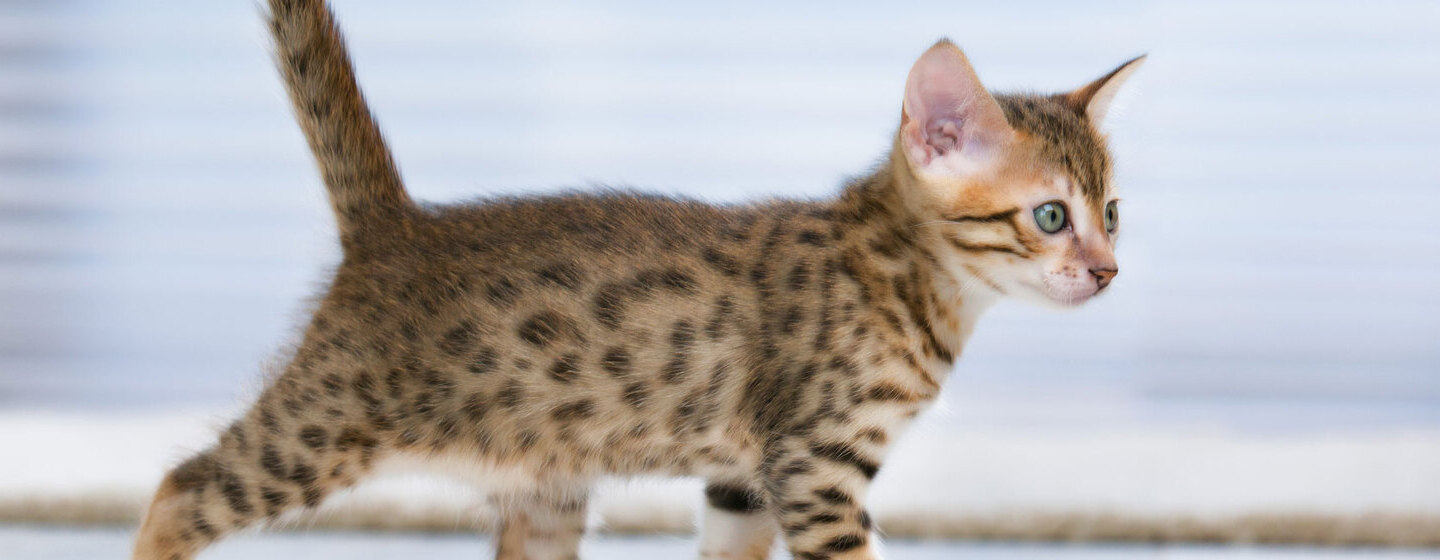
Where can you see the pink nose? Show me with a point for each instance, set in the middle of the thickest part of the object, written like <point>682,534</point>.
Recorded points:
<point>1103,276</point>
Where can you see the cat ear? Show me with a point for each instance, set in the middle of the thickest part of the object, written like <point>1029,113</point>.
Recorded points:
<point>1093,100</point>
<point>951,125</point>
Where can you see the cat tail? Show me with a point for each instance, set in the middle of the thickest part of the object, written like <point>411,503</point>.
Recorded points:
<point>366,191</point>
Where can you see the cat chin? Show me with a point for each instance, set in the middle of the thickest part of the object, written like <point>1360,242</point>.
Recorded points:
<point>1045,297</point>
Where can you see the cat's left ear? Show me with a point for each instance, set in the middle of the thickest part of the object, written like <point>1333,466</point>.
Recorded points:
<point>1093,99</point>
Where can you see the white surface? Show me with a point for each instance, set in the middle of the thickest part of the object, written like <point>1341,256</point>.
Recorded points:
<point>934,473</point>
<point>48,544</point>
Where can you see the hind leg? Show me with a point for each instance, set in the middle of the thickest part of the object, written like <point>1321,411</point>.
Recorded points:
<point>545,525</point>
<point>261,468</point>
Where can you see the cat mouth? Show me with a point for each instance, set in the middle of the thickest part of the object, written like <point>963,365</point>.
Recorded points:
<point>1063,298</point>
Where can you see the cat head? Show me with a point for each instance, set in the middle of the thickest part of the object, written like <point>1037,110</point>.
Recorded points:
<point>1014,188</point>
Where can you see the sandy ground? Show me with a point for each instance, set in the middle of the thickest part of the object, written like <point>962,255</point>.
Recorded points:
<point>32,543</point>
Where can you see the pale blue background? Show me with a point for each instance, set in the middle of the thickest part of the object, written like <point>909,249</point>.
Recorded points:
<point>161,222</point>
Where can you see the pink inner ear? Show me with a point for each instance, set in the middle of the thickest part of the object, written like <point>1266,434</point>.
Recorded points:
<point>949,107</point>
<point>944,135</point>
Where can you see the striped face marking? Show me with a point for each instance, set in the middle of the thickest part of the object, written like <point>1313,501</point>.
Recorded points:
<point>1041,240</point>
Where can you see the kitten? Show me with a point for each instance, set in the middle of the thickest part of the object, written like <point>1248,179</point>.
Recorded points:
<point>775,349</point>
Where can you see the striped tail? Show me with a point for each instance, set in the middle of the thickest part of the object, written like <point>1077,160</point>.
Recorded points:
<point>365,188</point>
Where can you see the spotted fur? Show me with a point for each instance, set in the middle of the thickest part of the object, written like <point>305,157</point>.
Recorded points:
<point>773,348</point>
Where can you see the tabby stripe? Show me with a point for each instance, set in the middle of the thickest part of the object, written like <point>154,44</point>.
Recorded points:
<point>885,391</point>
<point>846,454</point>
<point>1003,216</point>
<point>920,317</point>
<point>984,248</point>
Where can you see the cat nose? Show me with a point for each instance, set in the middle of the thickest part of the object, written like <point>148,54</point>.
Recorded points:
<point>1103,276</point>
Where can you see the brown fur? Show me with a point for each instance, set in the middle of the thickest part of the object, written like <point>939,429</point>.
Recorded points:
<point>779,344</point>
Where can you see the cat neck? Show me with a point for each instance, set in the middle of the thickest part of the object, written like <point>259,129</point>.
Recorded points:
<point>939,290</point>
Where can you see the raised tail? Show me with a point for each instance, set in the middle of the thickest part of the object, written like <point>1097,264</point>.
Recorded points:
<point>366,192</point>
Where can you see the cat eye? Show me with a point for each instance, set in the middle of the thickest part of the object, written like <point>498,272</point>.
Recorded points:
<point>1112,216</point>
<point>1050,217</point>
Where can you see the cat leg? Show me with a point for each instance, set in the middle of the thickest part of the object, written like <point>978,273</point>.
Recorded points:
<point>736,524</point>
<point>261,468</point>
<point>817,489</point>
<point>546,525</point>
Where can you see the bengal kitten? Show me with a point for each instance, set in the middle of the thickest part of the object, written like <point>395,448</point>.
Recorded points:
<point>775,349</point>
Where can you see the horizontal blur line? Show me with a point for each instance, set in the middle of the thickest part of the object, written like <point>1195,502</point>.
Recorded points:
<point>66,215</point>
<point>35,162</point>
<point>46,257</point>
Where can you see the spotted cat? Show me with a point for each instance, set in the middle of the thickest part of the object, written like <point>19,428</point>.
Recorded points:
<point>533,344</point>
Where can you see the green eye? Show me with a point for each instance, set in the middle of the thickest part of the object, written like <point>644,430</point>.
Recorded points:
<point>1112,216</point>
<point>1050,217</point>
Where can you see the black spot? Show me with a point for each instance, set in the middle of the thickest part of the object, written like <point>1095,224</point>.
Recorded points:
<point>268,420</point>
<point>834,495</point>
<point>235,493</point>
<point>351,438</point>
<point>475,407</point>
<point>715,327</point>
<point>365,386</point>
<point>824,518</point>
<point>798,466</point>
<point>311,496</point>
<point>238,436</point>
<point>565,275</point>
<point>202,526</point>
<point>811,237</point>
<point>459,339</point>
<point>677,280</point>
<point>483,361</point>
<point>194,473</point>
<point>313,437</point>
<point>512,395</point>
<point>799,277</point>
<point>608,305</point>
<point>682,335</point>
<point>616,361</point>
<point>636,394</point>
<point>333,385</point>
<point>675,370</point>
<point>843,543</point>
<point>733,498</point>
<point>583,408</point>
<point>446,428</point>
<point>502,293</point>
<point>424,404</point>
<point>793,317</point>
<point>394,381</point>
<point>271,462</point>
<point>888,244</point>
<point>542,328</point>
<point>566,368</point>
<point>759,274</point>
<point>684,415</point>
<point>275,500</point>
<point>722,262</point>
<point>303,475</point>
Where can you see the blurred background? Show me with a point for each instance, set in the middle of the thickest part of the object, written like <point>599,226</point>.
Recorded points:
<point>1269,353</point>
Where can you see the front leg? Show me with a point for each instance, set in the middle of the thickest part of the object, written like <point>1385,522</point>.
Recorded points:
<point>817,486</point>
<point>736,523</point>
